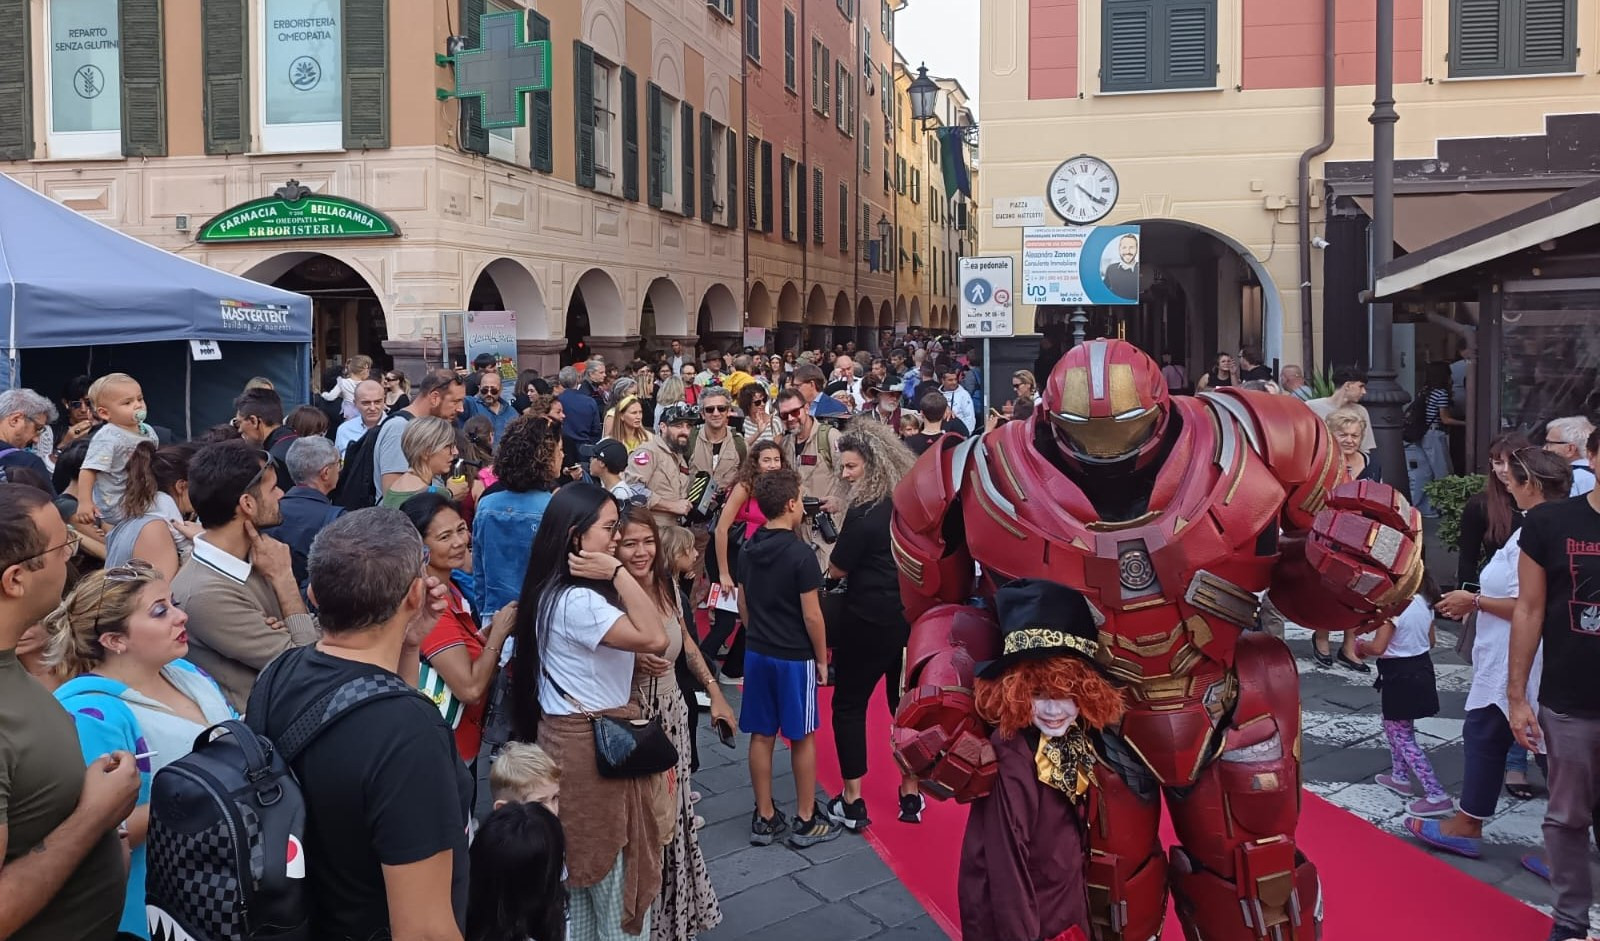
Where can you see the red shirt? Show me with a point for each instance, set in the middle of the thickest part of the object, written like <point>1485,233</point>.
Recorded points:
<point>457,628</point>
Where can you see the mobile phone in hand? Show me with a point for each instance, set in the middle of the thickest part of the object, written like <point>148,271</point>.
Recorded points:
<point>724,731</point>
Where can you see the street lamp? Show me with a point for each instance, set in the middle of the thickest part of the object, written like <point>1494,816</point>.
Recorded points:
<point>924,94</point>
<point>885,229</point>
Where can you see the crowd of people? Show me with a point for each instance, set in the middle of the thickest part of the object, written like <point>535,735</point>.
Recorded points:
<point>611,549</point>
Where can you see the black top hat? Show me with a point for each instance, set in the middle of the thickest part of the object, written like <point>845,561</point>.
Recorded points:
<point>1038,620</point>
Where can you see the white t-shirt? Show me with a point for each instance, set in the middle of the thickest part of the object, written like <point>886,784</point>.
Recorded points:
<point>1491,648</point>
<point>1411,630</point>
<point>599,678</point>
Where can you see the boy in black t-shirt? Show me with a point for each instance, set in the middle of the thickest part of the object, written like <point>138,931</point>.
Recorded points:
<point>786,659</point>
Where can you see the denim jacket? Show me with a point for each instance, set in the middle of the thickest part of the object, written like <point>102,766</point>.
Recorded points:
<point>502,539</point>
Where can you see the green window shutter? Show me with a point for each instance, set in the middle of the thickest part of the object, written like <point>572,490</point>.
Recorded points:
<point>730,153</point>
<point>655,157</point>
<point>16,96</point>
<point>1548,31</point>
<point>583,110</point>
<point>752,209</point>
<point>541,139</point>
<point>1189,30</point>
<point>844,217</point>
<point>1127,48</point>
<point>474,136</point>
<point>144,97</point>
<point>227,88</point>
<point>802,200</point>
<point>366,74</point>
<point>787,203</point>
<point>766,186</point>
<point>630,135</point>
<point>818,229</point>
<point>708,196</point>
<point>1478,31</point>
<point>686,131</point>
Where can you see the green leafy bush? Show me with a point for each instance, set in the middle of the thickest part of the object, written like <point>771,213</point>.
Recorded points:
<point>1449,495</point>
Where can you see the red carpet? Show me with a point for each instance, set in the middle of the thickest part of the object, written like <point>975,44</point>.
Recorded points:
<point>1358,863</point>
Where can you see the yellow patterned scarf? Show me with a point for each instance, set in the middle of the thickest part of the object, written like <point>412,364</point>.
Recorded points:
<point>1065,762</point>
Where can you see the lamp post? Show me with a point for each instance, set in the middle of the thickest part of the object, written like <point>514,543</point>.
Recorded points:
<point>885,229</point>
<point>924,95</point>
<point>1385,398</point>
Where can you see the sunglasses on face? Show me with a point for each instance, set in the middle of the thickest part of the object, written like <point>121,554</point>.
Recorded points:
<point>792,414</point>
<point>715,409</point>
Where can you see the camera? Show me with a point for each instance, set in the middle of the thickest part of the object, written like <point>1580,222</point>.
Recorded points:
<point>819,518</point>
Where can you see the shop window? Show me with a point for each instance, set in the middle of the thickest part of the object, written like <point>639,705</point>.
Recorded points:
<point>85,86</point>
<point>1148,45</point>
<point>301,77</point>
<point>1512,37</point>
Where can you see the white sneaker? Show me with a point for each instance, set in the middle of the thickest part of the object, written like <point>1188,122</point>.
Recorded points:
<point>727,680</point>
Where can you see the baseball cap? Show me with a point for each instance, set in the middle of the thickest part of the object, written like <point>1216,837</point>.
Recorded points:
<point>612,452</point>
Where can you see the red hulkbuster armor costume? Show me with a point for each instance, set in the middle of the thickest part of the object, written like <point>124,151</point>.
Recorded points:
<point>1170,514</point>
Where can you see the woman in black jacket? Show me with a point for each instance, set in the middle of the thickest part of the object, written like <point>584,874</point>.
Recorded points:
<point>867,629</point>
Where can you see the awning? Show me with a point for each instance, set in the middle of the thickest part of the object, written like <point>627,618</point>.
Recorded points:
<point>1423,219</point>
<point>1552,218</point>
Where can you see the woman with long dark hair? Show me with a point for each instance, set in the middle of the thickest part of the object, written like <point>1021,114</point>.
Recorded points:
<point>869,632</point>
<point>580,621</point>
<point>514,892</point>
<point>687,905</point>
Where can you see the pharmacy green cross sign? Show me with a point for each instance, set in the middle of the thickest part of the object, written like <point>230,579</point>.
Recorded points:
<point>502,69</point>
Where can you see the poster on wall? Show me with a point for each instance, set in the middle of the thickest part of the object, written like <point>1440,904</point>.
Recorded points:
<point>755,337</point>
<point>303,72</point>
<point>493,332</point>
<point>85,66</point>
<point>1096,264</point>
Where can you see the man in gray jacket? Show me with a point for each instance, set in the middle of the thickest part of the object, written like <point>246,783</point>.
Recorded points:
<point>239,587</point>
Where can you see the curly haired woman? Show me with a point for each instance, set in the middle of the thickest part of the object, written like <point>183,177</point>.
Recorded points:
<point>1024,859</point>
<point>528,461</point>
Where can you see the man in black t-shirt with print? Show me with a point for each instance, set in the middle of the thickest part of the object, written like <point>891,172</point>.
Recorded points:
<point>936,421</point>
<point>1558,601</point>
<point>387,798</point>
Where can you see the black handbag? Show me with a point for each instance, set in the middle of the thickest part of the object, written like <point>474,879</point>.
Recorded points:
<point>626,748</point>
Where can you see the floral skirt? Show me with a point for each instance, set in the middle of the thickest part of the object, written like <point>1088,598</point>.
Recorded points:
<point>687,905</point>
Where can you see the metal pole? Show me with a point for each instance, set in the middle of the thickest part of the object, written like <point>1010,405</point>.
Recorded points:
<point>988,382</point>
<point>1079,321</point>
<point>1385,398</point>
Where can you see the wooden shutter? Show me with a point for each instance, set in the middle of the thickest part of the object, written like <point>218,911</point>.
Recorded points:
<point>366,74</point>
<point>144,97</point>
<point>730,155</point>
<point>655,158</point>
<point>844,217</point>
<point>1128,45</point>
<point>1547,36</point>
<point>16,94</point>
<point>583,110</point>
<point>766,186</point>
<point>787,204</point>
<point>1190,37</point>
<point>818,229</point>
<point>802,200</point>
<point>708,169</point>
<point>630,135</point>
<point>541,131</point>
<point>752,208</point>
<point>474,136</point>
<point>227,88</point>
<point>686,131</point>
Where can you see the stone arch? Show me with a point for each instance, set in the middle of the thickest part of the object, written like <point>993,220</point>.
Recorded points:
<point>842,314</point>
<point>817,307</point>
<point>902,312</point>
<point>349,314</point>
<point>720,308</point>
<point>518,291</point>
<point>597,300</point>
<point>669,312</point>
<point>916,313</point>
<point>867,324</point>
<point>789,310</point>
<point>758,309</point>
<point>886,314</point>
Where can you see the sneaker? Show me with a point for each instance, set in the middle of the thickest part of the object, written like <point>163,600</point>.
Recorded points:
<point>911,806</point>
<point>852,816</point>
<point>727,680</point>
<point>764,830</point>
<point>811,832</point>
<point>1423,807</point>
<point>1401,786</point>
<point>1560,932</point>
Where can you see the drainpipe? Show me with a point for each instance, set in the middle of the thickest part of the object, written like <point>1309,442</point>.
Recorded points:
<point>1303,181</point>
<point>744,141</point>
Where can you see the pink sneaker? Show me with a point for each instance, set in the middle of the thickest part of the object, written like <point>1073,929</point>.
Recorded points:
<point>1422,807</point>
<point>1400,786</point>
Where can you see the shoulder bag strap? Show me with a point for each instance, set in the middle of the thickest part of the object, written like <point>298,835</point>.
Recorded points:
<point>587,713</point>
<point>334,704</point>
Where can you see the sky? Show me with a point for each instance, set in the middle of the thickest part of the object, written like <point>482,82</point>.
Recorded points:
<point>944,34</point>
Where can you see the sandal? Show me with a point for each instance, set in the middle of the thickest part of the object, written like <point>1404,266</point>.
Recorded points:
<point>1522,792</point>
<point>1534,863</point>
<point>1429,832</point>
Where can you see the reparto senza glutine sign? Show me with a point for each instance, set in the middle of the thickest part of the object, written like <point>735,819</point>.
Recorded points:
<point>294,212</point>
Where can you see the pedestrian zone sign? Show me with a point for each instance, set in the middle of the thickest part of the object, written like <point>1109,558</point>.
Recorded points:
<point>986,298</point>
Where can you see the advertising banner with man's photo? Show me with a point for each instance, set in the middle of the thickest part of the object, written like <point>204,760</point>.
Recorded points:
<point>493,332</point>
<point>1081,264</point>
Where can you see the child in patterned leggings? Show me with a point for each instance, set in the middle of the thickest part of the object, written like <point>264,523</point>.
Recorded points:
<point>1405,678</point>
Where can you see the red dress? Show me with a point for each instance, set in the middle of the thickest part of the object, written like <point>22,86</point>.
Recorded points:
<point>457,628</point>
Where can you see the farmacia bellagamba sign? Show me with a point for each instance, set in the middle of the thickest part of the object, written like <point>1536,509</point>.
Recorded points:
<point>293,212</point>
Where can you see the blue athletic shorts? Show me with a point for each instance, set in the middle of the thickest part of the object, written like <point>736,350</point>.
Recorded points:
<point>779,696</point>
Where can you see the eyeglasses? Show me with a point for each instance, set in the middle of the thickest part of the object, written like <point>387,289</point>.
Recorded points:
<point>792,414</point>
<point>74,539</point>
<point>76,404</point>
<point>715,409</point>
<point>266,458</point>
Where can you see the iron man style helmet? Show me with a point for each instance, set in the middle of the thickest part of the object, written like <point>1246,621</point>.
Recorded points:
<point>1107,403</point>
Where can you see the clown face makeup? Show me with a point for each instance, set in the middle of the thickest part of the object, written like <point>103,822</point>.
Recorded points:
<point>1054,716</point>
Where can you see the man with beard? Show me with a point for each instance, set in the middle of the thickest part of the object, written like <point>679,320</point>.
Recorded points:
<point>812,448</point>
<point>886,398</point>
<point>662,464</point>
<point>239,587</point>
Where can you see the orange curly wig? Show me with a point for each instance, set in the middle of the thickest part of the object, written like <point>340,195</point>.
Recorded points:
<point>1007,702</point>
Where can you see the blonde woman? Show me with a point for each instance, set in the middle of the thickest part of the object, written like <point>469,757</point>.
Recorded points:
<point>1348,427</point>
<point>628,424</point>
<point>118,643</point>
<point>669,392</point>
<point>1025,386</point>
<point>429,445</point>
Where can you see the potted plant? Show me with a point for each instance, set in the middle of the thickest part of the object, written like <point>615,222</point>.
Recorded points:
<point>1449,495</point>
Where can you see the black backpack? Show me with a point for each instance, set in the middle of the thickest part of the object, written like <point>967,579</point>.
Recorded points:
<point>225,860</point>
<point>358,486</point>
<point>1415,424</point>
